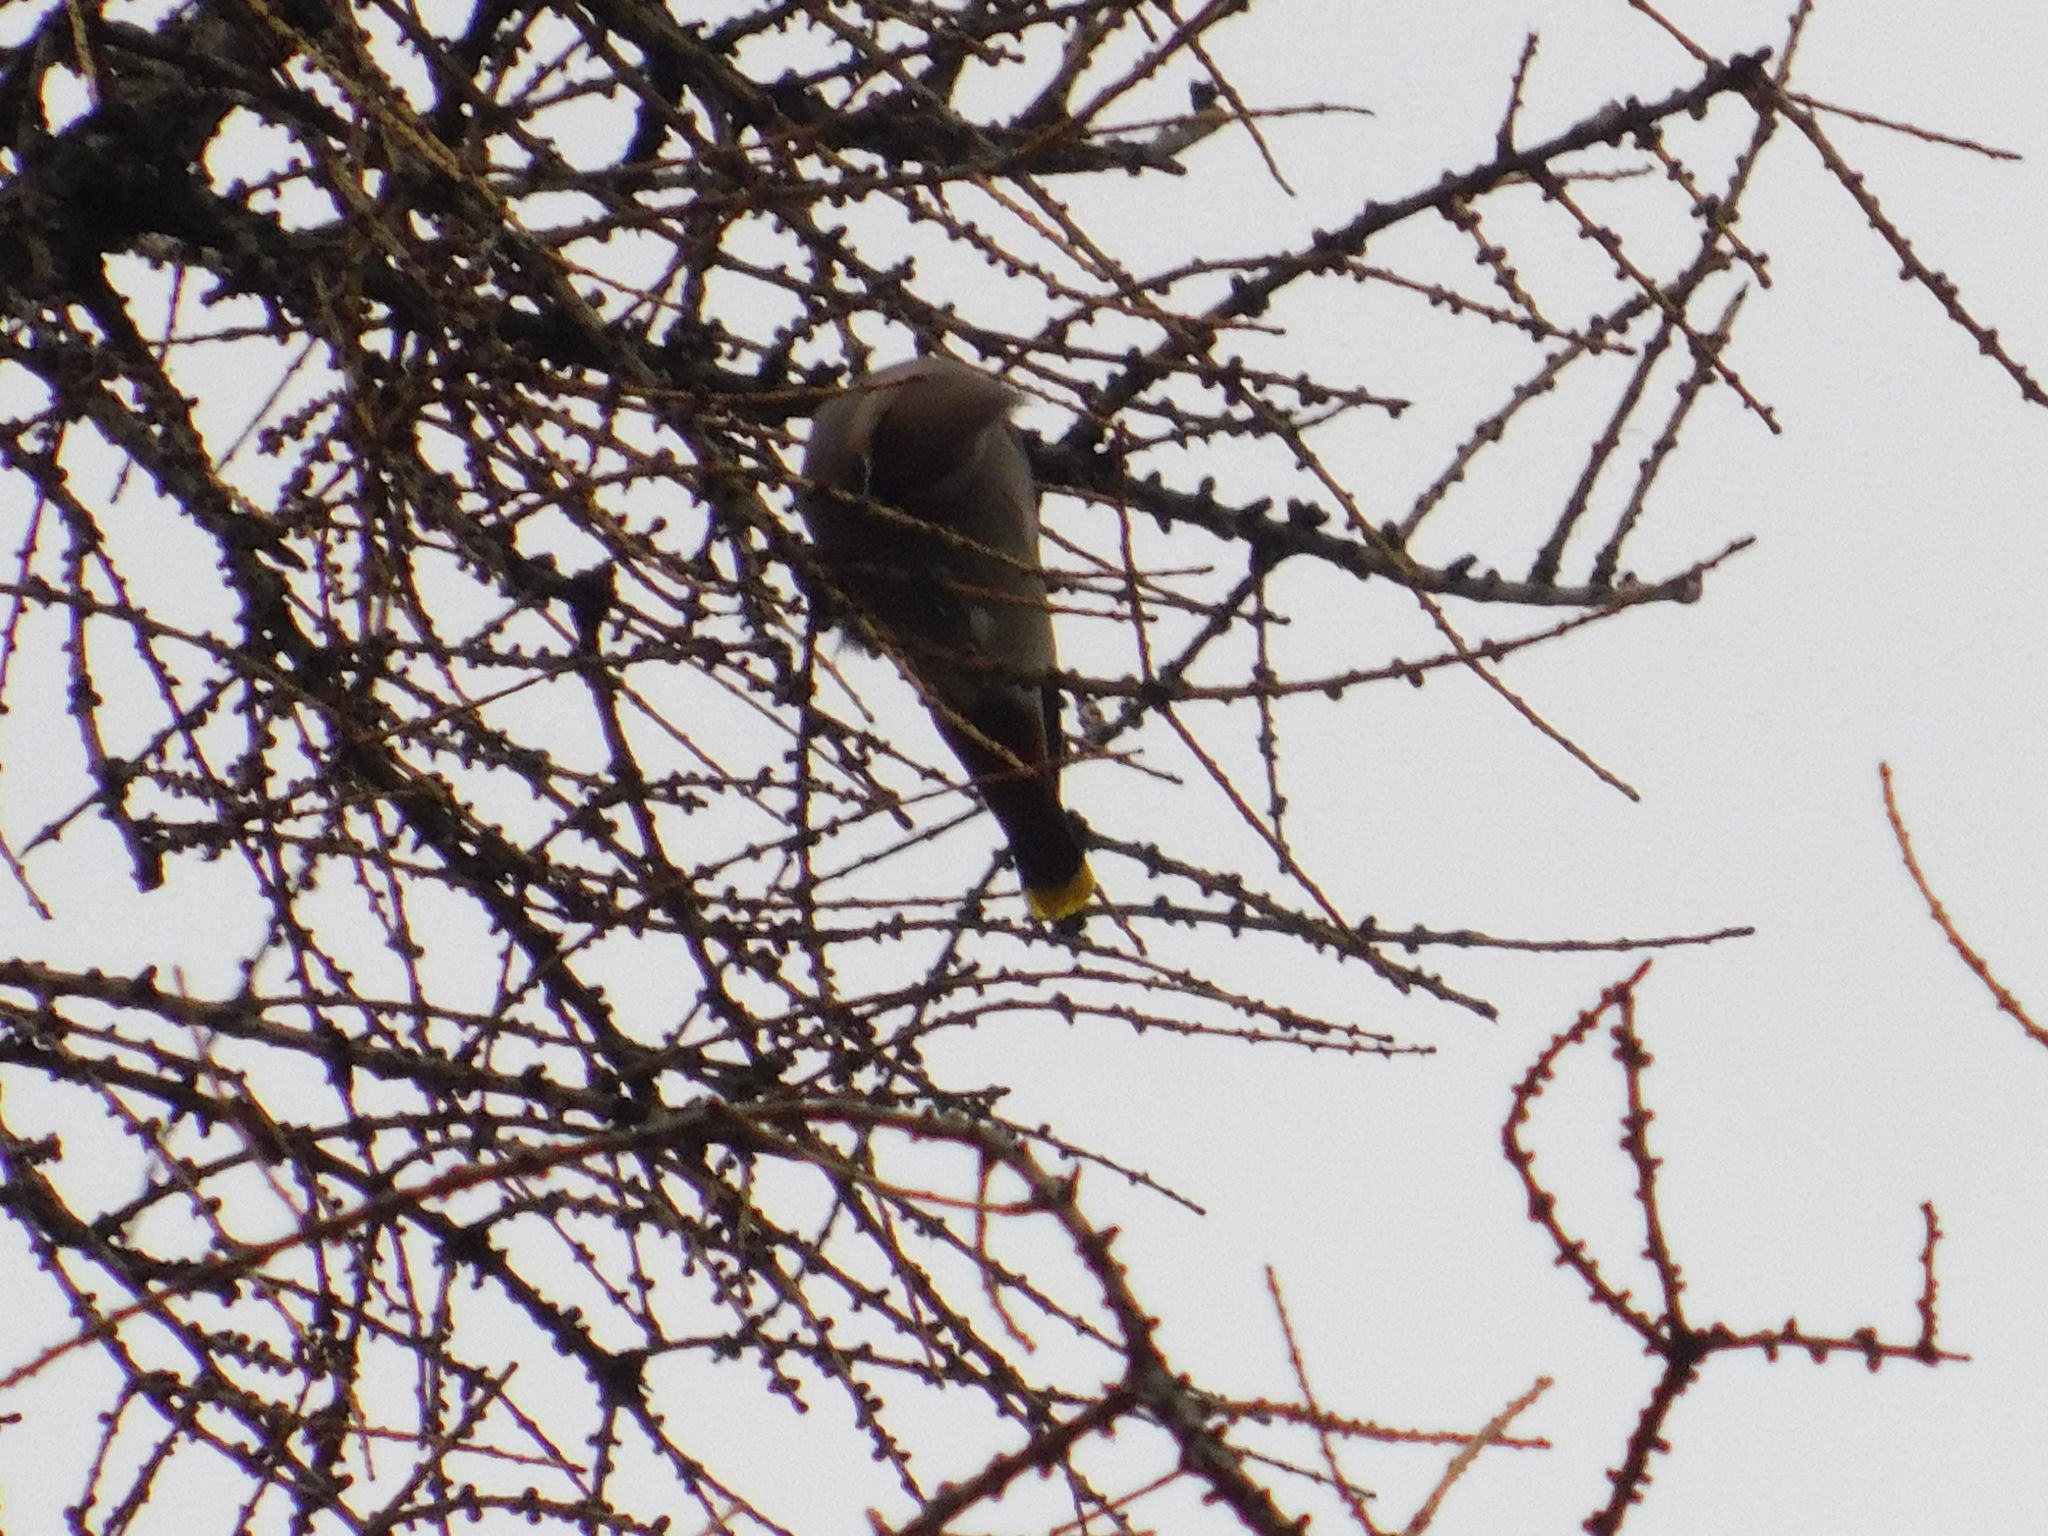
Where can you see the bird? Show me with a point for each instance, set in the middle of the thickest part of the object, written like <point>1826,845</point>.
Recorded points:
<point>921,508</point>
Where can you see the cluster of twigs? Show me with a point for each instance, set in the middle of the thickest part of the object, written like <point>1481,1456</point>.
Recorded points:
<point>1681,1344</point>
<point>397,430</point>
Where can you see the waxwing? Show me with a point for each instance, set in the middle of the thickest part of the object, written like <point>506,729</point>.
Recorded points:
<point>925,517</point>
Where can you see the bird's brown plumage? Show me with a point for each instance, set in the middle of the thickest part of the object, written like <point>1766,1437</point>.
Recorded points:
<point>921,502</point>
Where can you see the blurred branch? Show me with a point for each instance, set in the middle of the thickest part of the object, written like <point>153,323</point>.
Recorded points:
<point>402,570</point>
<point>1683,1345</point>
<point>1976,962</point>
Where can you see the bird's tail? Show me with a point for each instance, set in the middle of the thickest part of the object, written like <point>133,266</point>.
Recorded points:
<point>1043,841</point>
<point>1004,744</point>
<point>1049,906</point>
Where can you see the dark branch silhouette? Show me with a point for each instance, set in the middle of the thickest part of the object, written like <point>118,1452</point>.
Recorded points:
<point>397,479</point>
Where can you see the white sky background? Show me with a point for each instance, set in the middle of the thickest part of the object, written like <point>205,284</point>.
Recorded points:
<point>1815,1083</point>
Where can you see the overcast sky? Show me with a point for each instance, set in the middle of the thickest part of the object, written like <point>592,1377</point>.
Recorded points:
<point>1815,1083</point>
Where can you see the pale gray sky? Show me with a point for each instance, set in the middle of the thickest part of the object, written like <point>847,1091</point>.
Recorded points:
<point>1814,1083</point>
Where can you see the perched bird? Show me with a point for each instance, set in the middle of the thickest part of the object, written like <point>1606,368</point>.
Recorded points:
<point>921,503</point>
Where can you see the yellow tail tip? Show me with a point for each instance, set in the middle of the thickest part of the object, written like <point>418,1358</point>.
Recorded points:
<point>1050,906</point>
